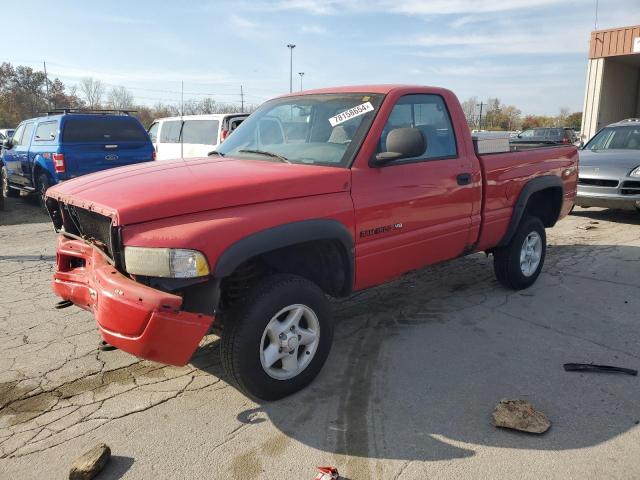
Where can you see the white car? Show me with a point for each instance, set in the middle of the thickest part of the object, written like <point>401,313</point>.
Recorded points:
<point>192,136</point>
<point>5,133</point>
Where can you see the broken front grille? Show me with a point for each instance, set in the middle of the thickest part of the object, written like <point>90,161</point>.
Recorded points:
<point>92,227</point>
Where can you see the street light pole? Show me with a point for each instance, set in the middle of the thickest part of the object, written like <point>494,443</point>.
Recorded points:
<point>301,75</point>
<point>291,46</point>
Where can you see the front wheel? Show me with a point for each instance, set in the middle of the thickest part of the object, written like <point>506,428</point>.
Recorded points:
<point>276,341</point>
<point>518,265</point>
<point>6,190</point>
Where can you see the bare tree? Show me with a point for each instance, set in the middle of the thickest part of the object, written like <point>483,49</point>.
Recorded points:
<point>120,98</point>
<point>469,109</point>
<point>563,115</point>
<point>92,90</point>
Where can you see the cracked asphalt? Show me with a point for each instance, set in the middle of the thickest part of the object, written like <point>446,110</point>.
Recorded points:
<point>415,371</point>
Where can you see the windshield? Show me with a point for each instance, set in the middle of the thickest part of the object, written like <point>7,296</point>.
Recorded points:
<point>610,138</point>
<point>324,129</point>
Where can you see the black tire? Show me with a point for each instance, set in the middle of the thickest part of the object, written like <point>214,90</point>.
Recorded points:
<point>42,185</point>
<point>6,191</point>
<point>506,260</point>
<point>244,325</point>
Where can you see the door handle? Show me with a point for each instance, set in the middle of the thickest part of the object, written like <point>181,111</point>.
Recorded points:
<point>464,179</point>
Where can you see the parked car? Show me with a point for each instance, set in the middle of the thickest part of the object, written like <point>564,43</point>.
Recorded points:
<point>380,180</point>
<point>610,167</point>
<point>559,135</point>
<point>6,133</point>
<point>1,192</point>
<point>68,143</point>
<point>192,136</point>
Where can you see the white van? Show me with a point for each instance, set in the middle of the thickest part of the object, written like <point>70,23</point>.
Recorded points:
<point>192,135</point>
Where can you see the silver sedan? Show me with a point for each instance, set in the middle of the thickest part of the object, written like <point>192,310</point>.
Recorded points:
<point>610,168</point>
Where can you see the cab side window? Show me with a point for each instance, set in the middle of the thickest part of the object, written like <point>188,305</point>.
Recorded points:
<point>17,136</point>
<point>429,114</point>
<point>171,132</point>
<point>26,136</point>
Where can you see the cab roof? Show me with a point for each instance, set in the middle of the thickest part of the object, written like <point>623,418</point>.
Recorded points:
<point>381,89</point>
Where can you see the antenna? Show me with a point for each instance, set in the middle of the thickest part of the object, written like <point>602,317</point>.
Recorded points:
<point>595,25</point>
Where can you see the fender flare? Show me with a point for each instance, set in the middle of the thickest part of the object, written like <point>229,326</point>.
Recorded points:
<point>40,162</point>
<point>282,236</point>
<point>532,186</point>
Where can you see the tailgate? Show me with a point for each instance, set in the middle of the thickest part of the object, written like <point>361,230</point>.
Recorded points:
<point>92,143</point>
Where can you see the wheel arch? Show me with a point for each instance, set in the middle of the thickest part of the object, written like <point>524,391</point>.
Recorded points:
<point>329,238</point>
<point>40,166</point>
<point>542,197</point>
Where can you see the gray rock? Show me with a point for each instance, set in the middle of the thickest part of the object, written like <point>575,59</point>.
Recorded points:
<point>90,463</point>
<point>520,415</point>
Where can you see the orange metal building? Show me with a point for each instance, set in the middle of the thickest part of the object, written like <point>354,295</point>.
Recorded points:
<point>613,78</point>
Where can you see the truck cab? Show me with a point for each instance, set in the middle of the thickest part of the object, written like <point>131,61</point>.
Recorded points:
<point>69,143</point>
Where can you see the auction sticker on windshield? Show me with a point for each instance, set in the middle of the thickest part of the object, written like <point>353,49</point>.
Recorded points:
<point>351,113</point>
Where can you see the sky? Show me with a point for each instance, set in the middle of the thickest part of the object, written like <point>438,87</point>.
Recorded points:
<point>528,53</point>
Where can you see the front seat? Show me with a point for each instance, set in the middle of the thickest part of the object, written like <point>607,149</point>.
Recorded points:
<point>341,134</point>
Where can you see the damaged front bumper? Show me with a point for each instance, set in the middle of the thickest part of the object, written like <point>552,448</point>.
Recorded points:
<point>140,320</point>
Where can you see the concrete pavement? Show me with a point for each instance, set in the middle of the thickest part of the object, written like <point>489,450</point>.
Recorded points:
<point>415,371</point>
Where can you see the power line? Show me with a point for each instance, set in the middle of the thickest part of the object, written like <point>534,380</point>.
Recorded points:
<point>242,94</point>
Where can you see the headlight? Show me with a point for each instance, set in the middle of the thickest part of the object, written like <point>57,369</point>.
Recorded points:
<point>635,172</point>
<point>165,262</point>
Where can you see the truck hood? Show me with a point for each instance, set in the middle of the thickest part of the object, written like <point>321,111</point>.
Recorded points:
<point>149,191</point>
<point>608,163</point>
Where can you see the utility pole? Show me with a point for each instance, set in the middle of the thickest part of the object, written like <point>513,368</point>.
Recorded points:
<point>291,46</point>
<point>481,104</point>
<point>46,83</point>
<point>241,100</point>
<point>301,75</point>
<point>181,121</point>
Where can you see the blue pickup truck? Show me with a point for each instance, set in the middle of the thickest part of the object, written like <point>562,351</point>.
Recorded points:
<point>69,143</point>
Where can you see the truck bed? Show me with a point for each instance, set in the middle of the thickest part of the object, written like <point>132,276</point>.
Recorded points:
<point>504,176</point>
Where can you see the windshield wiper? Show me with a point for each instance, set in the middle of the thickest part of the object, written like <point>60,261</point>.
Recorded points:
<point>267,154</point>
<point>215,152</point>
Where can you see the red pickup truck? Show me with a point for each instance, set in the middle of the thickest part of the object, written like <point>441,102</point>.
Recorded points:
<point>316,194</point>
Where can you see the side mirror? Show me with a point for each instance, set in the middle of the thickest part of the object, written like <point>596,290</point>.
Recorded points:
<point>581,144</point>
<point>402,143</point>
<point>519,135</point>
<point>7,143</point>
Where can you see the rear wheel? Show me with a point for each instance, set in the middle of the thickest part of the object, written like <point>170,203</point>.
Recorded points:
<point>276,342</point>
<point>6,190</point>
<point>518,265</point>
<point>41,188</point>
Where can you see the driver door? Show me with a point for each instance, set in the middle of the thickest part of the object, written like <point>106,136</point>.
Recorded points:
<point>414,211</point>
<point>11,156</point>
